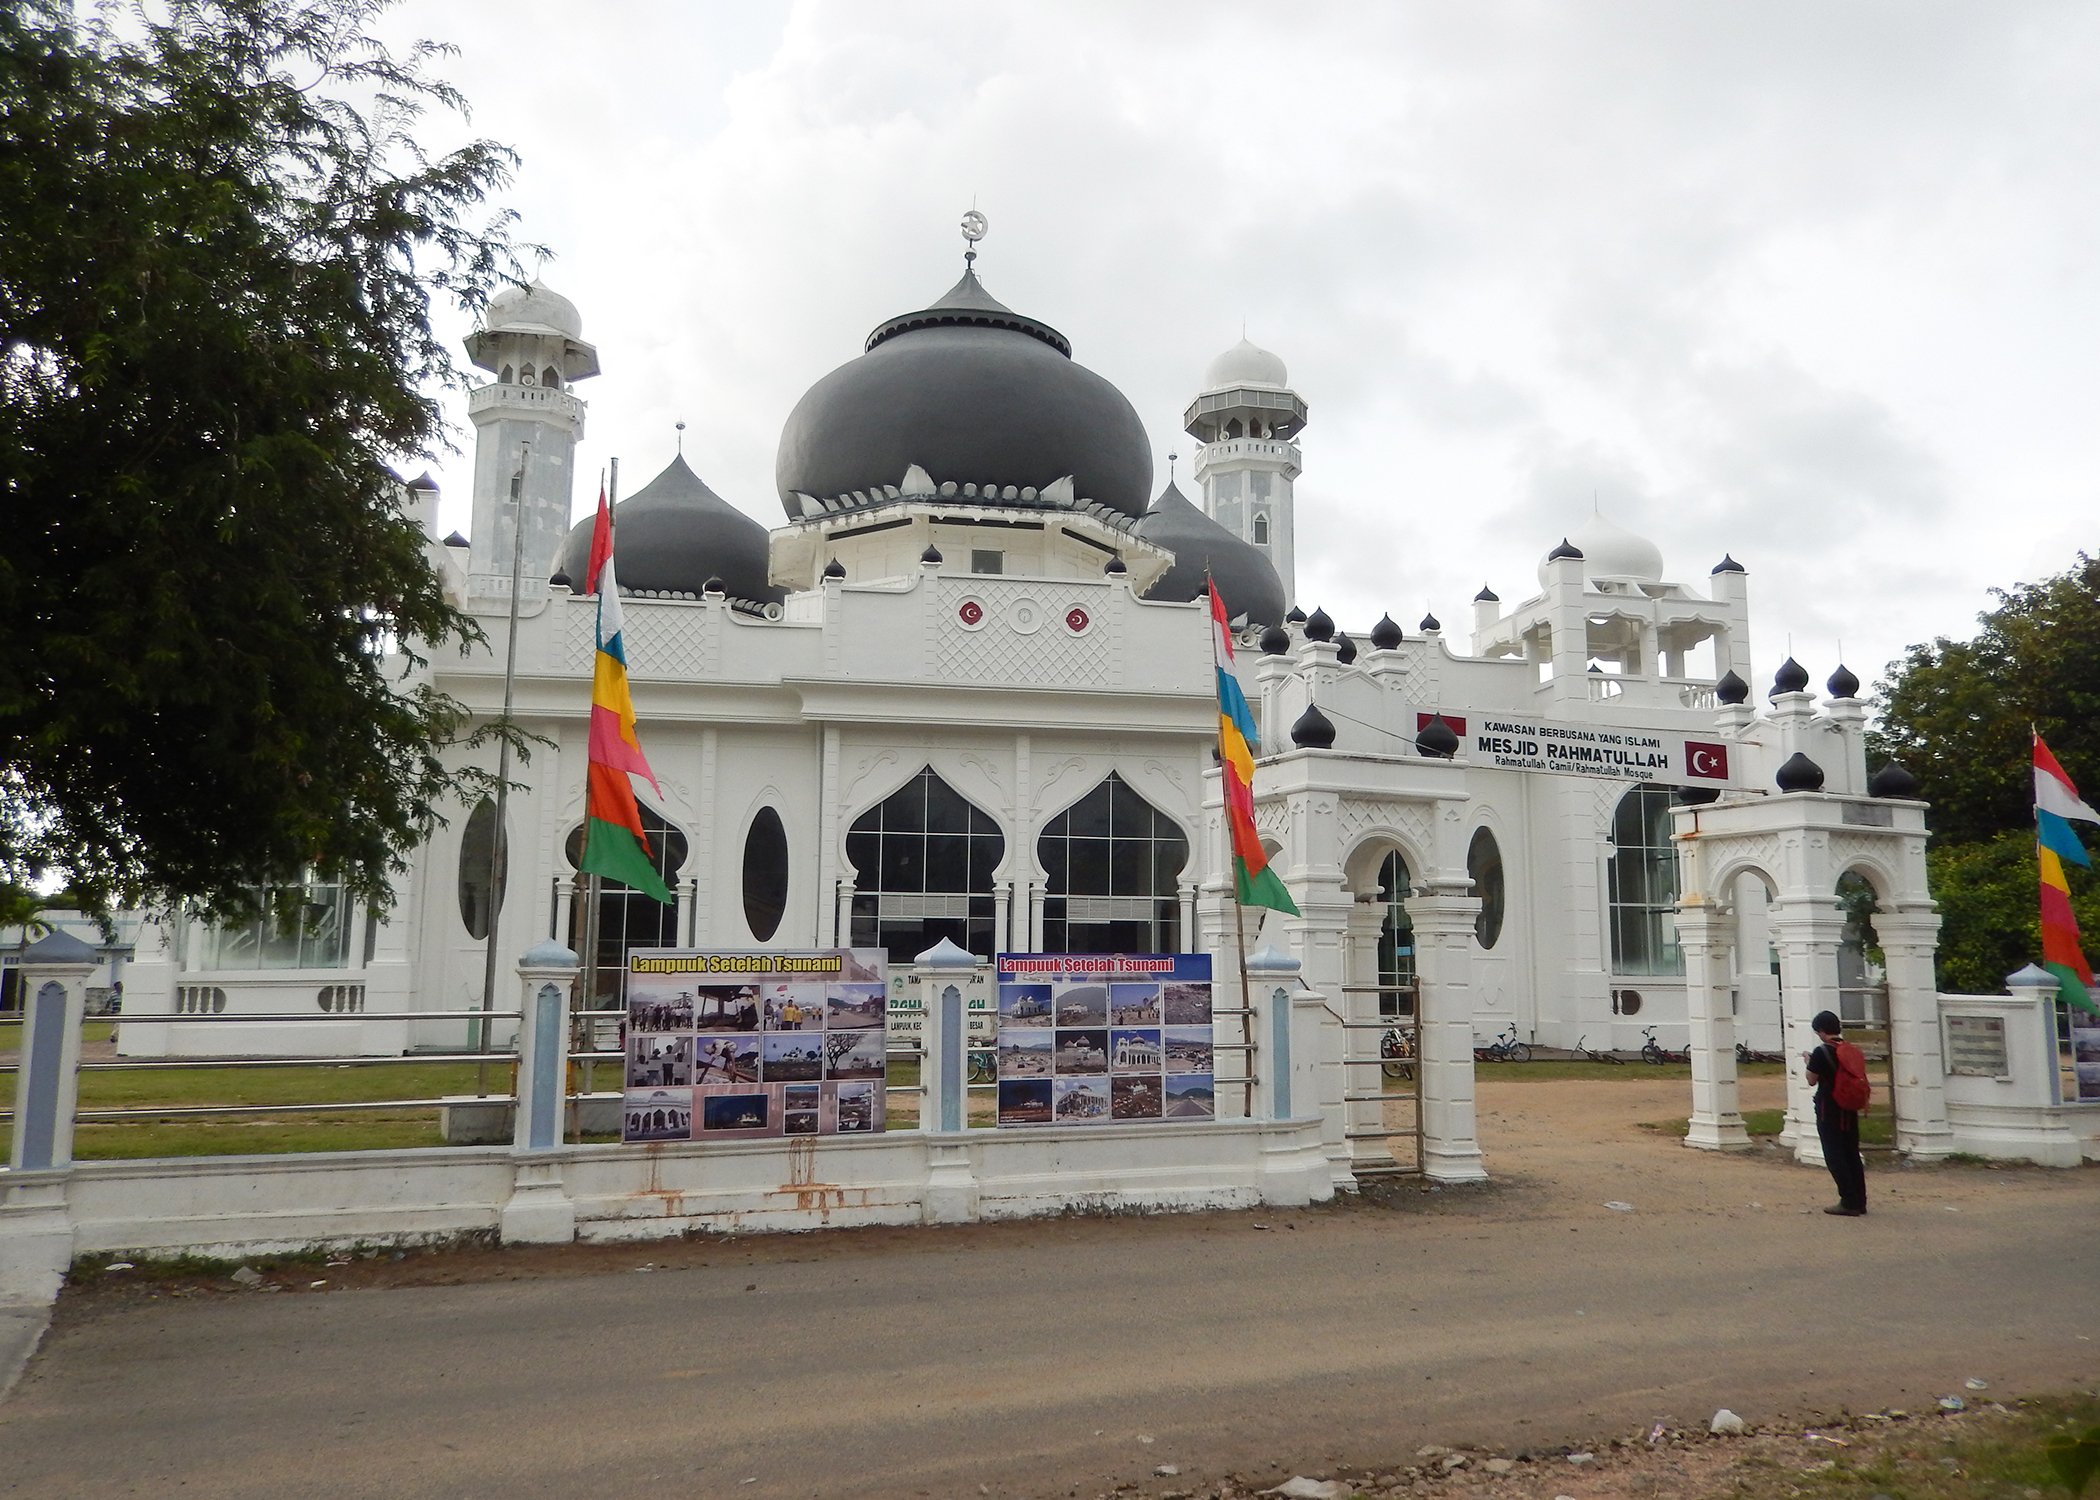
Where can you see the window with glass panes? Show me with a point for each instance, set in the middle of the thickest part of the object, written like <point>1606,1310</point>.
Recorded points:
<point>923,859</point>
<point>305,926</point>
<point>1642,883</point>
<point>628,918</point>
<point>1396,939</point>
<point>1115,865</point>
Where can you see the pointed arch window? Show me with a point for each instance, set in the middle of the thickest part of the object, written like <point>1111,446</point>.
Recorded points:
<point>1261,528</point>
<point>628,919</point>
<point>1642,881</point>
<point>1396,939</point>
<point>1115,864</point>
<point>923,859</point>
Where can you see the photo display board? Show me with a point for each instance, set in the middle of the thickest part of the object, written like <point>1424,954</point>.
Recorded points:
<point>2085,1053</point>
<point>732,1046</point>
<point>1089,1038</point>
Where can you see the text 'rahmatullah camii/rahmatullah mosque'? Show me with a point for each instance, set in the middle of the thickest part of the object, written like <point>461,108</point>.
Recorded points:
<point>964,690</point>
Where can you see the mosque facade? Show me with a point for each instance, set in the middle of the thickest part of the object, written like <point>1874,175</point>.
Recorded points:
<point>963,690</point>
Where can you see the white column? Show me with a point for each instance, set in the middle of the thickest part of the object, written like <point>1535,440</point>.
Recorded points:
<point>945,974</point>
<point>1909,936</point>
<point>1443,918</point>
<point>1717,1122</point>
<point>1807,930</point>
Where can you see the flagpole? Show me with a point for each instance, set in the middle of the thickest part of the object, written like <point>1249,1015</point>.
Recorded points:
<point>1239,910</point>
<point>497,844</point>
<point>591,886</point>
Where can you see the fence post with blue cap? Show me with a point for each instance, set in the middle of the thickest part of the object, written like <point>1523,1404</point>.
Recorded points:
<point>946,975</point>
<point>1273,978</point>
<point>540,1211</point>
<point>54,975</point>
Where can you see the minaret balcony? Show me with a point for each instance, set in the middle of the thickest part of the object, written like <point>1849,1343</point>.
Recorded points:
<point>525,400</point>
<point>1269,453</point>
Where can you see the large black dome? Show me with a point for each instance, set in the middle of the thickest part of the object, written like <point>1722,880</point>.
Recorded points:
<point>1205,550</point>
<point>674,533</point>
<point>973,393</point>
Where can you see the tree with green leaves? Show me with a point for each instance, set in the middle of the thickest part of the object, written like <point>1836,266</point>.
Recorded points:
<point>1959,715</point>
<point>219,248</point>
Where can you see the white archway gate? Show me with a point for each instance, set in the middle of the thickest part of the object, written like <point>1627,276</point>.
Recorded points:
<point>1800,843</point>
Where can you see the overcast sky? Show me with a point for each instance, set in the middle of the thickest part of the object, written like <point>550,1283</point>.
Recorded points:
<point>1812,284</point>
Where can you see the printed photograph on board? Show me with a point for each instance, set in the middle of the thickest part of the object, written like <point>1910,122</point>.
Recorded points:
<point>726,1059</point>
<point>656,1061</point>
<point>1024,1101</point>
<point>744,1113</point>
<point>657,1115</point>
<point>794,1007</point>
<point>1134,1049</point>
<point>668,1007</point>
<point>1081,1101</point>
<point>1186,1004</point>
<point>1191,1096</point>
<point>1136,1097</point>
<point>1024,1005</point>
<point>1133,1004</point>
<point>860,1108</point>
<point>856,1054</point>
<point>726,1007</point>
<point>1025,1053</point>
<point>792,1056</point>
<point>1082,1051</point>
<point>800,1096</point>
<point>856,1007</point>
<point>1081,1005</point>
<point>801,1122</point>
<point>1188,1049</point>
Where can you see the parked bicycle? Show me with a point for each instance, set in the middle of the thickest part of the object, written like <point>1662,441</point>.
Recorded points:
<point>1745,1053</point>
<point>1597,1057</point>
<point>1655,1052</point>
<point>1504,1048</point>
<point>1396,1053</point>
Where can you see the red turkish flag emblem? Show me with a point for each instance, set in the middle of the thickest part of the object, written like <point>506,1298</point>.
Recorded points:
<point>1705,760</point>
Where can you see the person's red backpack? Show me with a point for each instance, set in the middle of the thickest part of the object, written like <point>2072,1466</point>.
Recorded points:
<point>1850,1089</point>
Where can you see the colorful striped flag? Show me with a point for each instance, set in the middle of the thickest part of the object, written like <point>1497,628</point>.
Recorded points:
<point>2056,804</point>
<point>1253,880</point>
<point>614,842</point>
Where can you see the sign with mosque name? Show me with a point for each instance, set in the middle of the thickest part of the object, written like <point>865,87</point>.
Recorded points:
<point>732,1046</point>
<point>1095,1039</point>
<point>1623,754</point>
<point>1976,1047</point>
<point>908,999</point>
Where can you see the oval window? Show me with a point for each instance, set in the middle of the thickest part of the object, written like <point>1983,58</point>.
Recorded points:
<point>1484,867</point>
<point>482,861</point>
<point>765,874</point>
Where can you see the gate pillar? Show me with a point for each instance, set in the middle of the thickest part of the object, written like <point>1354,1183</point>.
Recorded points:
<point>1443,915</point>
<point>1717,1119</point>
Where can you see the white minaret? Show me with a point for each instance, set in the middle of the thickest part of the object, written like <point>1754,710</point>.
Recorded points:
<point>526,427</point>
<point>1247,421</point>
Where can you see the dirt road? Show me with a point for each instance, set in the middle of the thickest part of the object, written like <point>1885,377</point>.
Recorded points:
<point>1064,1358</point>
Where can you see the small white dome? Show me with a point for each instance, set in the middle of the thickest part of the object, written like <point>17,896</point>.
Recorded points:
<point>1246,364</point>
<point>533,309</point>
<point>1612,551</point>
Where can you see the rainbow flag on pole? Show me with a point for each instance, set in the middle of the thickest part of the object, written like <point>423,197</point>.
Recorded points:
<point>2056,804</point>
<point>614,843</point>
<point>1253,880</point>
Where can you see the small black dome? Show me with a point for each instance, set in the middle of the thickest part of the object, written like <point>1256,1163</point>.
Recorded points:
<point>712,586</point>
<point>673,533</point>
<point>932,554</point>
<point>1313,731</point>
<point>1800,774</point>
<point>1295,617</point>
<point>1275,641</point>
<point>1565,549</point>
<point>1698,796</point>
<point>834,569</point>
<point>1791,677</point>
<point>561,580</point>
<point>1487,596</point>
<point>1843,684</point>
<point>1318,627</point>
<point>1115,567</point>
<point>1205,553</point>
<point>1345,649</point>
<point>1385,635</point>
<point>1892,781</point>
<point>1429,623</point>
<point>1727,564</point>
<point>456,540</point>
<point>1731,689</point>
<point>1437,740</point>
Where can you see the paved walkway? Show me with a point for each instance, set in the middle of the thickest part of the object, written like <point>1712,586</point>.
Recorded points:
<point>1062,1357</point>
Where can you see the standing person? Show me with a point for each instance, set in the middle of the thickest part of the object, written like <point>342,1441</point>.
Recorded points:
<point>1837,1127</point>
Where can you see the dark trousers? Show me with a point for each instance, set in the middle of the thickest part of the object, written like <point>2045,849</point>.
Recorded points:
<point>1838,1130</point>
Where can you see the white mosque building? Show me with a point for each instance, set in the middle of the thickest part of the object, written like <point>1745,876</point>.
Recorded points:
<point>964,690</point>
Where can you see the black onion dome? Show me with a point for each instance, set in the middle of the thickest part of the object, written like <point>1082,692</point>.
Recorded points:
<point>1791,677</point>
<point>970,391</point>
<point>1319,626</point>
<point>1842,683</point>
<point>834,569</point>
<point>1429,623</point>
<point>1799,774</point>
<point>1892,781</point>
<point>1344,649</point>
<point>1295,617</point>
<point>1314,730</point>
<point>1115,567</point>
<point>1437,739</point>
<point>1487,596</point>
<point>1731,689</point>
<point>456,540</point>
<point>1204,552</point>
<point>673,534</point>
<point>1275,641</point>
<point>1727,564</point>
<point>1698,796</point>
<point>932,554</point>
<point>1385,635</point>
<point>1565,549</point>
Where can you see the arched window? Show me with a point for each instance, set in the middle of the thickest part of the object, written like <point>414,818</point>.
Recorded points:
<point>508,376</point>
<point>551,378</point>
<point>483,862</point>
<point>1861,996</point>
<point>765,874</point>
<point>1396,939</point>
<point>1484,869</point>
<point>627,918</point>
<point>1115,863</point>
<point>1261,529</point>
<point>923,859</point>
<point>1642,875</point>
